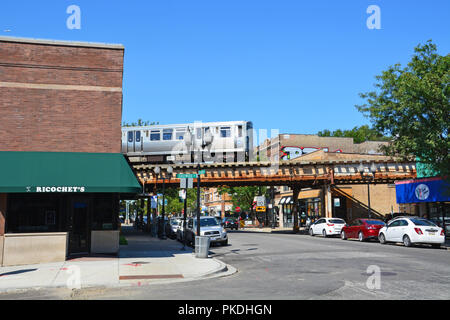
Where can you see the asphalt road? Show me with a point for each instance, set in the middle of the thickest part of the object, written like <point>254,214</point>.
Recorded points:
<point>288,266</point>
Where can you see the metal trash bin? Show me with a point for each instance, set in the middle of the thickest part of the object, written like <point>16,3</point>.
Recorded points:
<point>202,247</point>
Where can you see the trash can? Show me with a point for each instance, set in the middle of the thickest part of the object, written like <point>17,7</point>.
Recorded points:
<point>202,247</point>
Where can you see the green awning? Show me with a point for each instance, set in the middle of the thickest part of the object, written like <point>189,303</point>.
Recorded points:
<point>50,172</point>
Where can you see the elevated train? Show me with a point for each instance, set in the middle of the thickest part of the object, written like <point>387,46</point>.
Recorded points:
<point>211,142</point>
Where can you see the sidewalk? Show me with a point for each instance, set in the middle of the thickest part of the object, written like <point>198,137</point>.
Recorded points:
<point>144,260</point>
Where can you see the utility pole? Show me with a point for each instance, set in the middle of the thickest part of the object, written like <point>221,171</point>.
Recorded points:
<point>185,215</point>
<point>198,200</point>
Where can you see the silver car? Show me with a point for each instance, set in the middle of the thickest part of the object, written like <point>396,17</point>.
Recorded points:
<point>210,227</point>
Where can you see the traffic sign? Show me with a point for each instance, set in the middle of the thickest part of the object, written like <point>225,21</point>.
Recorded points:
<point>260,201</point>
<point>260,209</point>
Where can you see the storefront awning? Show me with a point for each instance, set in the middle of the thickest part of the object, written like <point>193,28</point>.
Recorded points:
<point>48,172</point>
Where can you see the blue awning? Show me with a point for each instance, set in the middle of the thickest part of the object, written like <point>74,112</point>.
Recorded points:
<point>423,190</point>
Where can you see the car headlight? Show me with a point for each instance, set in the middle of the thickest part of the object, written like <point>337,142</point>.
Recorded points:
<point>224,231</point>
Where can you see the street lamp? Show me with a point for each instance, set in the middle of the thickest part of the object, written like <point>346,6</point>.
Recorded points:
<point>159,175</point>
<point>372,169</point>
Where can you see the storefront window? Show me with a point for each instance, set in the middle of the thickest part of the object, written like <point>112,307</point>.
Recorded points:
<point>30,214</point>
<point>103,217</point>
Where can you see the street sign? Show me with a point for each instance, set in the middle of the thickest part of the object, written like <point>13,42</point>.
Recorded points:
<point>182,194</point>
<point>200,172</point>
<point>186,183</point>
<point>187,176</point>
<point>260,201</point>
<point>260,209</point>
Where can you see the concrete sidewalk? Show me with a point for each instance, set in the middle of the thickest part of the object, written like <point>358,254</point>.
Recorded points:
<point>145,260</point>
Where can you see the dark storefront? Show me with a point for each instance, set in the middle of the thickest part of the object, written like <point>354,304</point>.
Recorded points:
<point>72,194</point>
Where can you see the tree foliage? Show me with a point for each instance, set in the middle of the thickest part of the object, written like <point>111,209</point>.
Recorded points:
<point>174,205</point>
<point>359,134</point>
<point>412,105</point>
<point>243,196</point>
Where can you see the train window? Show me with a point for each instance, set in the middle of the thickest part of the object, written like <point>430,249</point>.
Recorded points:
<point>167,134</point>
<point>130,136</point>
<point>225,132</point>
<point>155,135</point>
<point>240,131</point>
<point>207,130</point>
<point>179,135</point>
<point>138,136</point>
<point>199,133</point>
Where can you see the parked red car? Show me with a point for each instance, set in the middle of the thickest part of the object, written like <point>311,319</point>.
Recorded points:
<point>362,229</point>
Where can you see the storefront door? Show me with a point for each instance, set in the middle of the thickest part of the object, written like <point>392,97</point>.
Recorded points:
<point>79,227</point>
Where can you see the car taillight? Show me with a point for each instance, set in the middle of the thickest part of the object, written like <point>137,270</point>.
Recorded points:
<point>330,224</point>
<point>442,232</point>
<point>418,231</point>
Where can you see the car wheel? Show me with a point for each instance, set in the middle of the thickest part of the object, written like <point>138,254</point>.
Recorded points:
<point>361,237</point>
<point>324,233</point>
<point>225,243</point>
<point>382,238</point>
<point>407,241</point>
<point>343,236</point>
<point>311,232</point>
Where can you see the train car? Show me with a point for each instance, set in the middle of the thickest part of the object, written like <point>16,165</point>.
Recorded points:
<point>210,142</point>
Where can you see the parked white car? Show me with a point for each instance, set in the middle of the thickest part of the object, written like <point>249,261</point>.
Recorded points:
<point>412,230</point>
<point>327,227</point>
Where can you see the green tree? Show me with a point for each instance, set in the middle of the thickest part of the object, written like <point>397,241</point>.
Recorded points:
<point>175,205</point>
<point>359,134</point>
<point>243,196</point>
<point>412,105</point>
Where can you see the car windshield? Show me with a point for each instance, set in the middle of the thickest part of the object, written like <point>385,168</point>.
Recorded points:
<point>375,222</point>
<point>208,222</point>
<point>423,222</point>
<point>337,221</point>
<point>174,222</point>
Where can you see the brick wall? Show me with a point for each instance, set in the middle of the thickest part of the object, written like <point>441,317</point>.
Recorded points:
<point>60,96</point>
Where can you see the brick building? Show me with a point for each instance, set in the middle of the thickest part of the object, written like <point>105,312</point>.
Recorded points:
<point>60,96</point>
<point>60,142</point>
<point>292,146</point>
<point>346,201</point>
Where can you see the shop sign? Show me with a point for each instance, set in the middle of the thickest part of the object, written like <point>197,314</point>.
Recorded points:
<point>58,189</point>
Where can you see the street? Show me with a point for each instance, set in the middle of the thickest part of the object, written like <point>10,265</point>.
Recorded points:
<point>287,266</point>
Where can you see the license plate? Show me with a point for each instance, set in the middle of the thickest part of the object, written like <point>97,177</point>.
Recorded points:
<point>431,233</point>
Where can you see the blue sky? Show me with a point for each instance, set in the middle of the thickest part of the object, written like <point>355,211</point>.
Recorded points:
<point>291,65</point>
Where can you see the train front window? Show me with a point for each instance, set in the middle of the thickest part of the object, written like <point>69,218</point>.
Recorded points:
<point>225,132</point>
<point>167,134</point>
<point>199,133</point>
<point>240,131</point>
<point>130,136</point>
<point>155,136</point>
<point>138,136</point>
